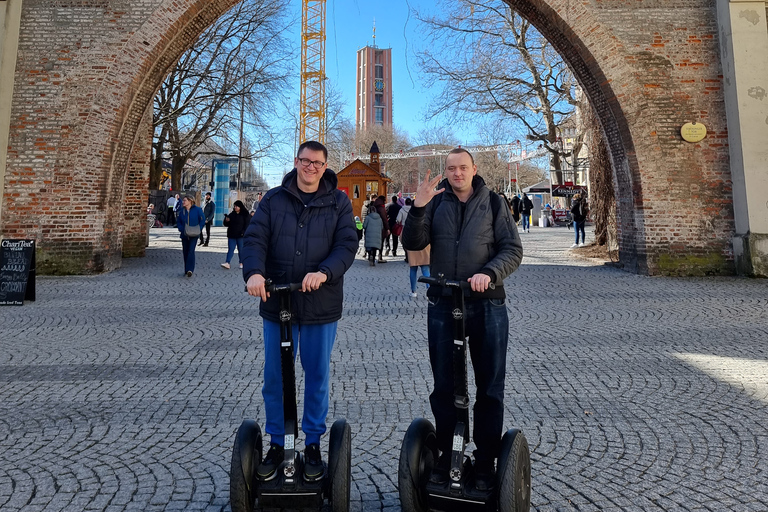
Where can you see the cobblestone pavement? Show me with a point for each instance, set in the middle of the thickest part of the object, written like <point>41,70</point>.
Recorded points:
<point>123,391</point>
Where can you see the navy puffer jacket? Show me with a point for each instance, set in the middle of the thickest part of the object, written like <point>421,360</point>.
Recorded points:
<point>286,240</point>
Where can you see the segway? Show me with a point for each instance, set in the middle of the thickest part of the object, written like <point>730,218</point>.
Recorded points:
<point>419,453</point>
<point>288,489</point>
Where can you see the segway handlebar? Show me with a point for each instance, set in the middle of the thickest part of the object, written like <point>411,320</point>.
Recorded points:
<point>440,280</point>
<point>274,288</point>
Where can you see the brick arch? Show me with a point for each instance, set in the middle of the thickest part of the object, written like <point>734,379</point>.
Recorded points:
<point>622,57</point>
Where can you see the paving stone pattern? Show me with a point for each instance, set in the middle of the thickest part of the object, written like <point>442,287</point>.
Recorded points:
<point>122,392</point>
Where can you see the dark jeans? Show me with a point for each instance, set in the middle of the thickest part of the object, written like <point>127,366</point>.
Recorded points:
<point>170,217</point>
<point>579,226</point>
<point>487,326</point>
<point>394,243</point>
<point>188,250</point>
<point>207,234</point>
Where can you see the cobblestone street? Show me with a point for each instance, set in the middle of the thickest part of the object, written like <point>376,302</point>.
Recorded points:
<point>122,392</point>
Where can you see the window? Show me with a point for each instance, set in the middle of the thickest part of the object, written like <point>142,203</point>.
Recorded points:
<point>379,116</point>
<point>379,100</point>
<point>379,71</point>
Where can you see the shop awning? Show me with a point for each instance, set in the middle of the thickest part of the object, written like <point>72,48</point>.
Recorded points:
<point>541,187</point>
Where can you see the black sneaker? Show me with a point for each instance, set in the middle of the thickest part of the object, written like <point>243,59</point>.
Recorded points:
<point>485,476</point>
<point>439,473</point>
<point>266,470</point>
<point>313,463</point>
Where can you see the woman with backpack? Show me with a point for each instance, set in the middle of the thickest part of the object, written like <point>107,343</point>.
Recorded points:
<point>579,211</point>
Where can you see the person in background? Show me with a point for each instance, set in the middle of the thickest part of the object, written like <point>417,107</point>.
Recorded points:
<point>373,227</point>
<point>171,213</point>
<point>366,205</point>
<point>579,211</point>
<point>415,259</point>
<point>381,208</point>
<point>526,207</point>
<point>189,215</point>
<point>236,222</point>
<point>392,210</point>
<point>209,209</point>
<point>516,208</point>
<point>359,228</point>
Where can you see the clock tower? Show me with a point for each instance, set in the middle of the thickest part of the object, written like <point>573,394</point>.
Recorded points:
<point>374,87</point>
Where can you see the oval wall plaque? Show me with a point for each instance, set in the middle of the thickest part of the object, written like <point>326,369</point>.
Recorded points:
<point>693,132</point>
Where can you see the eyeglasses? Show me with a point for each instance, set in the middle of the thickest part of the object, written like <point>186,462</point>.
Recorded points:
<point>316,163</point>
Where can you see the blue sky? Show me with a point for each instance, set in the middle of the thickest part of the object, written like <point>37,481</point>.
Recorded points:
<point>349,27</point>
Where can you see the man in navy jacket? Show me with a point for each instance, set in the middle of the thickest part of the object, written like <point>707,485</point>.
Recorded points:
<point>302,231</point>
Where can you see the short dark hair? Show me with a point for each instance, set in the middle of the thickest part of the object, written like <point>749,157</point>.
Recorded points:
<point>394,199</point>
<point>314,146</point>
<point>408,201</point>
<point>456,151</point>
<point>207,193</point>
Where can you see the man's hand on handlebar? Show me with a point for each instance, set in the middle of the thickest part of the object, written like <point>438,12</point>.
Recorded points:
<point>312,281</point>
<point>256,287</point>
<point>479,282</point>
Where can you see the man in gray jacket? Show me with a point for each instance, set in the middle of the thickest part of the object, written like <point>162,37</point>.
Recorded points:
<point>473,239</point>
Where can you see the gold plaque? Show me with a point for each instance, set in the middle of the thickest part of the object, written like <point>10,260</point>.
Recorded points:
<point>693,132</point>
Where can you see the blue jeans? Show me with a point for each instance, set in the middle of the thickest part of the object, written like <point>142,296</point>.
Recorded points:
<point>424,272</point>
<point>188,251</point>
<point>579,226</point>
<point>487,326</point>
<point>526,221</point>
<point>314,343</point>
<point>231,243</point>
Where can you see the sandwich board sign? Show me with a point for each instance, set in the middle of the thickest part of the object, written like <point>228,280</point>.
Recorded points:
<point>17,272</point>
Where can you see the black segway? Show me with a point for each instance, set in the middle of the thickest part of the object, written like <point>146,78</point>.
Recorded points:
<point>288,489</point>
<point>418,455</point>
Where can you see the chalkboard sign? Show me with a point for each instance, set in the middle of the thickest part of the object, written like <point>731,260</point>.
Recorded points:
<point>17,272</point>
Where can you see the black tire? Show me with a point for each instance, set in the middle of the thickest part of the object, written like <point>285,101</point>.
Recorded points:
<point>339,466</point>
<point>514,473</point>
<point>417,458</point>
<point>246,456</point>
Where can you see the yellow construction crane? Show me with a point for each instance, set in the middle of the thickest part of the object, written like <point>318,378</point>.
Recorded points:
<point>312,122</point>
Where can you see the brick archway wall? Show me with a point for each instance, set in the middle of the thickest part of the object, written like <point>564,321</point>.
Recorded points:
<point>86,76</point>
<point>87,73</point>
<point>647,69</point>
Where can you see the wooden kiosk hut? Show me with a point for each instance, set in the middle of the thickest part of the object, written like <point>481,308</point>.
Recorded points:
<point>359,180</point>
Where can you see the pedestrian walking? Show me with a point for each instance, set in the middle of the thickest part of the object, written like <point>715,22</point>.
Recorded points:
<point>516,208</point>
<point>526,207</point>
<point>392,210</point>
<point>373,228</point>
<point>190,222</point>
<point>473,239</point>
<point>415,259</point>
<point>209,209</point>
<point>303,231</point>
<point>171,210</point>
<point>237,222</point>
<point>579,212</point>
<point>366,206</point>
<point>381,209</point>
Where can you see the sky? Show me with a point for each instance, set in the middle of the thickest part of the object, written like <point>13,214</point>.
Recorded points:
<point>349,27</point>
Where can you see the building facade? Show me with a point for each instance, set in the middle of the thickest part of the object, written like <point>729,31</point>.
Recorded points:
<point>374,87</point>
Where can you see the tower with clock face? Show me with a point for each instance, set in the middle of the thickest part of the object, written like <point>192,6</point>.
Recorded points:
<point>374,87</point>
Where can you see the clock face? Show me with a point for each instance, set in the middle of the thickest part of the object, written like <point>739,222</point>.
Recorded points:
<point>379,85</point>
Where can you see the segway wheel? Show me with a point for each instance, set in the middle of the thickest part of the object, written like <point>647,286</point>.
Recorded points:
<point>417,458</point>
<point>514,473</point>
<point>339,465</point>
<point>246,456</point>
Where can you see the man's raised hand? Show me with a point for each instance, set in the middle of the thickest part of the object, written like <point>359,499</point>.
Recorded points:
<point>426,190</point>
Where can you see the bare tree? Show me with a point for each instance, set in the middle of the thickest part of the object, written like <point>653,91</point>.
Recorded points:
<point>231,77</point>
<point>491,61</point>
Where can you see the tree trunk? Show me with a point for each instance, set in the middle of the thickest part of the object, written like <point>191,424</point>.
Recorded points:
<point>178,163</point>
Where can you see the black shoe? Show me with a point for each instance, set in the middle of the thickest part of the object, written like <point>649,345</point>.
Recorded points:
<point>189,273</point>
<point>439,473</point>
<point>266,470</point>
<point>205,244</point>
<point>200,243</point>
<point>485,476</point>
<point>313,463</point>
